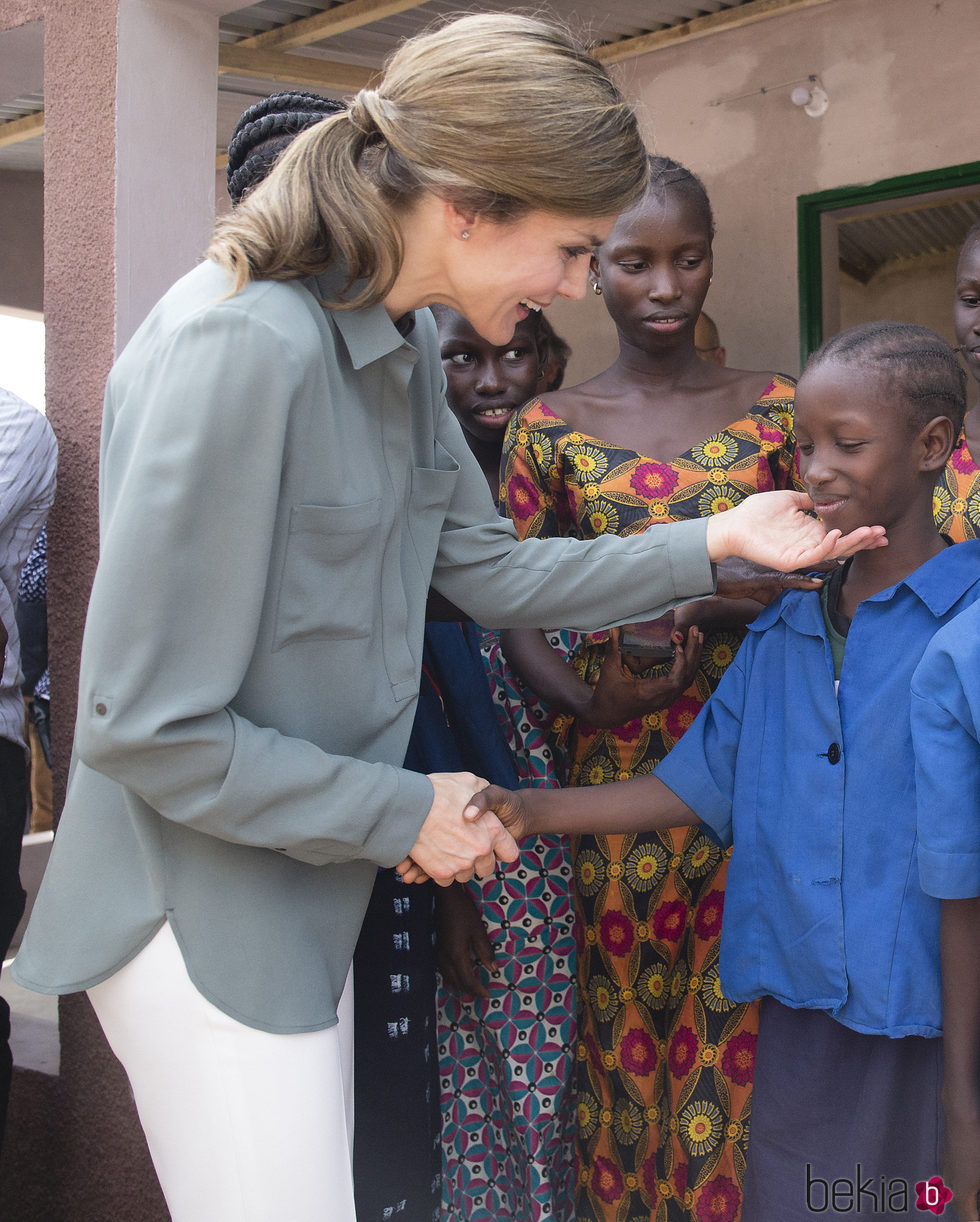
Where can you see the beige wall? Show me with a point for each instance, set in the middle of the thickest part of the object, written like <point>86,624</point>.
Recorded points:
<point>913,290</point>
<point>21,240</point>
<point>899,74</point>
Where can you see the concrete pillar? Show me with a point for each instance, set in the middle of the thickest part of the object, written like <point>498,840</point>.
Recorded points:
<point>129,139</point>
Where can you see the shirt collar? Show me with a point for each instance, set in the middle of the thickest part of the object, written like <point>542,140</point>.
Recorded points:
<point>369,333</point>
<point>939,584</point>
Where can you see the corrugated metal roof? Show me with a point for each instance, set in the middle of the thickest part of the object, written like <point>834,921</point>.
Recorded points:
<point>868,243</point>
<point>623,19</point>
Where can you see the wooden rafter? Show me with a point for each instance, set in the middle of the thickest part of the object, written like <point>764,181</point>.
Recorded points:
<point>16,130</point>
<point>699,27</point>
<point>336,20</point>
<point>295,69</point>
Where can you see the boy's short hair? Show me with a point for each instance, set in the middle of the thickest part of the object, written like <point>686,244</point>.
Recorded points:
<point>920,367</point>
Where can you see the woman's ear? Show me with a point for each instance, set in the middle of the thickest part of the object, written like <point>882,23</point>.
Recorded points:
<point>594,276</point>
<point>936,440</point>
<point>460,223</point>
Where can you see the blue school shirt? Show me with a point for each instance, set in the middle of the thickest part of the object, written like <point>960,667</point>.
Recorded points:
<point>823,907</point>
<point>946,736</point>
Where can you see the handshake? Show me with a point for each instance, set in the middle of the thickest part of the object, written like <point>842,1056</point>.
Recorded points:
<point>463,834</point>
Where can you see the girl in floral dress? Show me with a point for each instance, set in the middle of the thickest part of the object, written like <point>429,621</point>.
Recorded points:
<point>664,1060</point>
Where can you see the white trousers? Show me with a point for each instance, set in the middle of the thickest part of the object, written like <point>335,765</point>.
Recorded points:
<point>242,1126</point>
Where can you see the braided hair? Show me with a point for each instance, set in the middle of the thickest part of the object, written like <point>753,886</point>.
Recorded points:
<point>921,369</point>
<point>669,175</point>
<point>265,129</point>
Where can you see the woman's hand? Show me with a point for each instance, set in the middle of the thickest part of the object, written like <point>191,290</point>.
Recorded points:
<point>462,942</point>
<point>450,847</point>
<point>621,696</point>
<point>774,530</point>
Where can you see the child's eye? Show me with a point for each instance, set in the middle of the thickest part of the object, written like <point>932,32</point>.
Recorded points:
<point>849,446</point>
<point>458,358</point>
<point>515,354</point>
<point>576,252</point>
<point>805,447</point>
<point>633,267</point>
<point>691,262</point>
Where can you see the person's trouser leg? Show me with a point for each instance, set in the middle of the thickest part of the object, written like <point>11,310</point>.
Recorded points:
<point>242,1125</point>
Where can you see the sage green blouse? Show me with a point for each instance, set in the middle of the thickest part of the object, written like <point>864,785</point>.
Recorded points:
<point>280,482</point>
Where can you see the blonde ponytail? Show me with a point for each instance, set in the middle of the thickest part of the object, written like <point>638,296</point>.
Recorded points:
<point>498,113</point>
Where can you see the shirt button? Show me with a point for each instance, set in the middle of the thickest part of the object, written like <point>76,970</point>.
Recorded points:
<point>833,753</point>
<point>101,709</point>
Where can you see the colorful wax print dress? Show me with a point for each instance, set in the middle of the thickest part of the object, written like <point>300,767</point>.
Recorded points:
<point>506,1062</point>
<point>956,501</point>
<point>664,1059</point>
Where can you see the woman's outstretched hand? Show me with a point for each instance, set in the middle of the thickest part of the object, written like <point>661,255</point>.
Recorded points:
<point>774,529</point>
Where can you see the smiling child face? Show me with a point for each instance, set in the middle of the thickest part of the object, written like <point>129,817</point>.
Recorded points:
<point>487,382</point>
<point>857,453</point>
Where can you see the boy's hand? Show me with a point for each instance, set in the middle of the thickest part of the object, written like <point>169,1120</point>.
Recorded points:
<point>450,847</point>
<point>509,805</point>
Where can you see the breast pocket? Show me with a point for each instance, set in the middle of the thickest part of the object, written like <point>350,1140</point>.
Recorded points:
<point>331,573</point>
<point>432,491</point>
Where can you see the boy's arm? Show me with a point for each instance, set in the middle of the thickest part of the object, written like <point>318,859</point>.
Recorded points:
<point>696,781</point>
<point>961,1053</point>
<point>641,804</point>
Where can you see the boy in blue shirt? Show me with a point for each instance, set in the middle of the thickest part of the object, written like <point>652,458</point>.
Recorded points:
<point>803,760</point>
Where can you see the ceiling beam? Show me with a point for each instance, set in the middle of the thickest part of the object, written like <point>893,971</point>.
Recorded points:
<point>699,27</point>
<point>16,130</point>
<point>295,69</point>
<point>336,20</point>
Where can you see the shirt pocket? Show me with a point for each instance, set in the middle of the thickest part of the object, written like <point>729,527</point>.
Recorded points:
<point>430,497</point>
<point>330,573</point>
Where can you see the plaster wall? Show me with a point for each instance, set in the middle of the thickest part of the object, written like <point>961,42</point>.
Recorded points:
<point>21,240</point>
<point>897,72</point>
<point>914,290</point>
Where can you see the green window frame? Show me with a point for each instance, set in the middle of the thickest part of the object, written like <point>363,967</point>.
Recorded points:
<point>811,208</point>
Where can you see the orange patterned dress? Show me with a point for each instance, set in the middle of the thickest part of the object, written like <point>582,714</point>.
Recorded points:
<point>956,501</point>
<point>664,1059</point>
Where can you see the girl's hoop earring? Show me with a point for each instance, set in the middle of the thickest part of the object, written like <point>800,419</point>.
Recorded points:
<point>597,288</point>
